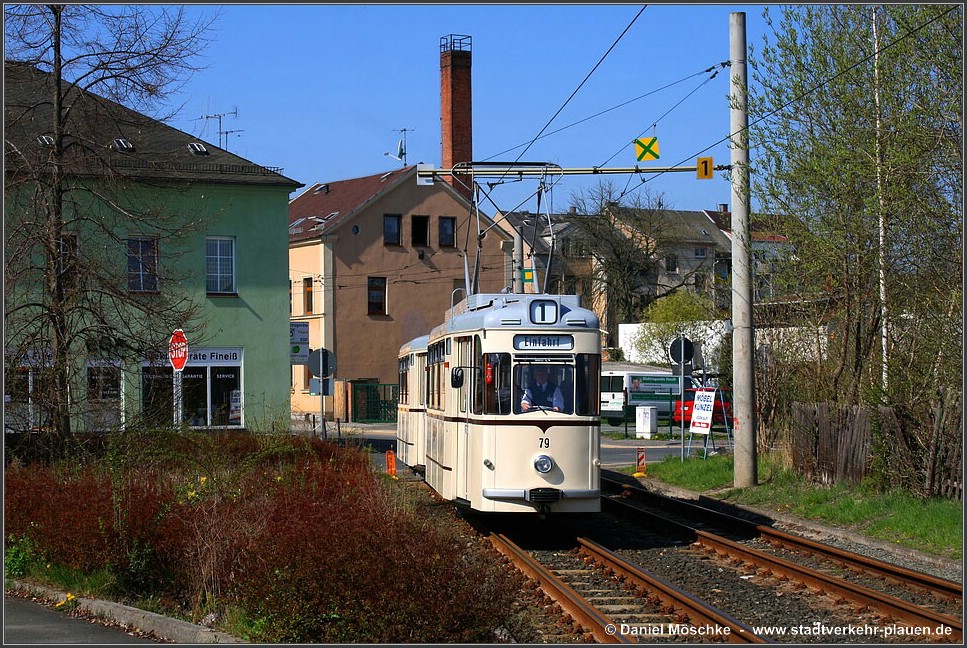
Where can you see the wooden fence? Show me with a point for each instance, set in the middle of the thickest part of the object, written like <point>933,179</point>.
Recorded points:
<point>833,443</point>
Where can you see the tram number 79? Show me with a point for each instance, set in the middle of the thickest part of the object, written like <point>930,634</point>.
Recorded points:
<point>544,442</point>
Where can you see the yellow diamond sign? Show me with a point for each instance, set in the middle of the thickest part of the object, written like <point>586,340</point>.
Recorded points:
<point>646,148</point>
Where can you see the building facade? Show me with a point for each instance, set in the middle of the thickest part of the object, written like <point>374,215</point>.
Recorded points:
<point>376,261</point>
<point>155,230</point>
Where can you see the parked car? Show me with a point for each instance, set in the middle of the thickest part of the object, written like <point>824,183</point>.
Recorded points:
<point>721,413</point>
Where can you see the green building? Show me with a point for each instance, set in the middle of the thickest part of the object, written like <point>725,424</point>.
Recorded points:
<point>118,230</point>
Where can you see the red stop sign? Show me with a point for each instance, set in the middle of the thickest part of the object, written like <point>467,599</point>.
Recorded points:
<point>178,350</point>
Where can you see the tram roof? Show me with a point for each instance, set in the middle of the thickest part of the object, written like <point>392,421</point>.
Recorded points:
<point>511,310</point>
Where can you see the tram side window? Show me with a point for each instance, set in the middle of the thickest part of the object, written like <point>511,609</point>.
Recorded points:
<point>587,380</point>
<point>492,395</point>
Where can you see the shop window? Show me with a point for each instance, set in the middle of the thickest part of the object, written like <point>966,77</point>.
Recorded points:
<point>157,395</point>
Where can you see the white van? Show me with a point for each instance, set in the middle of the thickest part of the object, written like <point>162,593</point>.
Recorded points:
<point>626,386</point>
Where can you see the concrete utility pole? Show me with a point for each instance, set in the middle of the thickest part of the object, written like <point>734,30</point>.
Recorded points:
<point>518,263</point>
<point>743,380</point>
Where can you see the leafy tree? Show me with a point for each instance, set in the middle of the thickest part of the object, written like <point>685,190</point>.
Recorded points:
<point>680,312</point>
<point>68,197</point>
<point>862,147</point>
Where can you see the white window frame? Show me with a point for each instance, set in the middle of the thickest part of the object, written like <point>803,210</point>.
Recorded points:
<point>144,273</point>
<point>219,275</point>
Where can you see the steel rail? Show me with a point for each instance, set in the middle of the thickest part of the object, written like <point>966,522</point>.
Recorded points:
<point>927,582</point>
<point>897,608</point>
<point>589,617</point>
<point>698,611</point>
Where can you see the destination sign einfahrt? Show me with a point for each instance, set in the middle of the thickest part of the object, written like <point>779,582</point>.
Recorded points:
<point>543,342</point>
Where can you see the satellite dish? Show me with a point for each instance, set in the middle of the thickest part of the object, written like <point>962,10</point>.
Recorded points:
<point>401,151</point>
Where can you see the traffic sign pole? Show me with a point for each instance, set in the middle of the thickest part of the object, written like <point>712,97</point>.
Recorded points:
<point>178,357</point>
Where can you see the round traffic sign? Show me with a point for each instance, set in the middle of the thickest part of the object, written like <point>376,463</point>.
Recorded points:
<point>681,350</point>
<point>178,350</point>
<point>322,363</point>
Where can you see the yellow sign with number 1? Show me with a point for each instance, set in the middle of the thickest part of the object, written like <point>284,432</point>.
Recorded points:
<point>704,168</point>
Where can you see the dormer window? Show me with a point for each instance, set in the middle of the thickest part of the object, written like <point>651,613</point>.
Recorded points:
<point>197,148</point>
<point>122,144</point>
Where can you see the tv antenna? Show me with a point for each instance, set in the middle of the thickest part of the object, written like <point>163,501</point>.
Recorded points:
<point>221,132</point>
<point>401,147</point>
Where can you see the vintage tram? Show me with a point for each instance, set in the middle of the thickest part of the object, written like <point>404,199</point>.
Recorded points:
<point>499,405</point>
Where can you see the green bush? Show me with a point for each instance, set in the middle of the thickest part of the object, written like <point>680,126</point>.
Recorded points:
<point>19,555</point>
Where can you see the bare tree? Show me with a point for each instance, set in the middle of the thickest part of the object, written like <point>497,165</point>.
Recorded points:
<point>91,241</point>
<point>628,241</point>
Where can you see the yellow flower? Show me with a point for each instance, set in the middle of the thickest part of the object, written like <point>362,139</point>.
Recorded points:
<point>202,480</point>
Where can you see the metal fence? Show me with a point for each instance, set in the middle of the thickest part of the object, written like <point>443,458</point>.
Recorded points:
<point>374,403</point>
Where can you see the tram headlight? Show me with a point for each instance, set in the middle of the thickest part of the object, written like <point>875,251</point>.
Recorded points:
<point>543,464</point>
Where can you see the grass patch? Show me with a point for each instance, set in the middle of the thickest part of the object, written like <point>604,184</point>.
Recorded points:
<point>932,525</point>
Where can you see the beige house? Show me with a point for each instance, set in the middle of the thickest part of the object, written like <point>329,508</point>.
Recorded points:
<point>692,250</point>
<point>374,262</point>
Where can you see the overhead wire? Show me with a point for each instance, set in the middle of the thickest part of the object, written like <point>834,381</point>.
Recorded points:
<point>810,91</point>
<point>604,112</point>
<point>580,85</point>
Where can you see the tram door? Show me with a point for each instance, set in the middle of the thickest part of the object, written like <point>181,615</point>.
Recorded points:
<point>464,437</point>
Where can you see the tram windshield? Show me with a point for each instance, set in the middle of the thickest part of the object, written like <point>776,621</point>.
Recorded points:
<point>534,385</point>
<point>557,387</point>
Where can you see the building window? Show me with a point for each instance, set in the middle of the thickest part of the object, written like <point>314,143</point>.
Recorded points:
<point>307,295</point>
<point>671,263</point>
<point>700,252</point>
<point>143,265</point>
<point>220,265</point>
<point>420,234</point>
<point>103,410</point>
<point>377,296</point>
<point>157,395</point>
<point>448,231</point>
<point>391,229</point>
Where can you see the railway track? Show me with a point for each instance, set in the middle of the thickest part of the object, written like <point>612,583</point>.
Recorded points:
<point>614,601</point>
<point>890,609</point>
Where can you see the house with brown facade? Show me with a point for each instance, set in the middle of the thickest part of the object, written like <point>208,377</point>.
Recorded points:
<point>689,250</point>
<point>374,262</point>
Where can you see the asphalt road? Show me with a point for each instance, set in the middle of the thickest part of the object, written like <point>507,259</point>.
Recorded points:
<point>29,622</point>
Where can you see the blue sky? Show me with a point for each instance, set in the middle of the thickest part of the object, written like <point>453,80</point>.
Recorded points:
<point>323,90</point>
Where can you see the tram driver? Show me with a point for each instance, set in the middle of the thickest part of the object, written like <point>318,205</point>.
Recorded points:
<point>542,392</point>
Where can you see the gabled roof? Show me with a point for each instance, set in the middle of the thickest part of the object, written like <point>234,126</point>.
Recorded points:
<point>683,227</point>
<point>759,226</point>
<point>149,149</point>
<point>325,206</point>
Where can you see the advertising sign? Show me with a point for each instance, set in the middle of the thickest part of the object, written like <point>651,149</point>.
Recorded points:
<point>298,342</point>
<point>702,411</point>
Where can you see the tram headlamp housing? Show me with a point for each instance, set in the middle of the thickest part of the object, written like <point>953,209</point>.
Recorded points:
<point>543,464</point>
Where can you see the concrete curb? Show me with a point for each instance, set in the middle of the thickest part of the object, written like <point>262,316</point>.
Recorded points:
<point>174,630</point>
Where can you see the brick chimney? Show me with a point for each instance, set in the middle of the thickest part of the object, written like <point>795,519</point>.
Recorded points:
<point>456,117</point>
